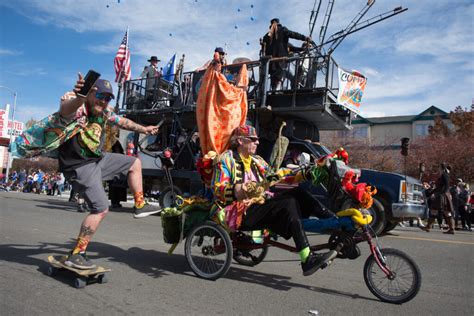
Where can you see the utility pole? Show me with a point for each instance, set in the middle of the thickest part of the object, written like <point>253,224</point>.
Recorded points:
<point>12,132</point>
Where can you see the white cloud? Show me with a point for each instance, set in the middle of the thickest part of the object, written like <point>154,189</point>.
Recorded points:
<point>371,72</point>
<point>445,44</point>
<point>24,112</point>
<point>9,52</point>
<point>419,58</point>
<point>414,88</point>
<point>373,113</point>
<point>400,86</point>
<point>103,49</point>
<point>439,29</point>
<point>25,71</point>
<point>196,27</point>
<point>388,107</point>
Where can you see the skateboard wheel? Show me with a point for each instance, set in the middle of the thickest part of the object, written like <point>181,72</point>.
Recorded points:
<point>103,278</point>
<point>79,283</point>
<point>51,271</point>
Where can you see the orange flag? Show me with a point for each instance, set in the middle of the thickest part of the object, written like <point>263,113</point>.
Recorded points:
<point>221,107</point>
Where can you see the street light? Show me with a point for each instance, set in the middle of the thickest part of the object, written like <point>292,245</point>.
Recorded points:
<point>13,129</point>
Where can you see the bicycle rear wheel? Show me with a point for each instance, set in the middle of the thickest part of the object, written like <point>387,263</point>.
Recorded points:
<point>404,283</point>
<point>208,250</point>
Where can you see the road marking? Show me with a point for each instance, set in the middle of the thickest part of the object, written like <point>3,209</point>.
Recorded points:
<point>436,240</point>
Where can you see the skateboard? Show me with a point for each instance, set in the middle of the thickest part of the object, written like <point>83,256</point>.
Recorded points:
<point>84,277</point>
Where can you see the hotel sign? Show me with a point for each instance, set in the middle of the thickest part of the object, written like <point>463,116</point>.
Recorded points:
<point>7,127</point>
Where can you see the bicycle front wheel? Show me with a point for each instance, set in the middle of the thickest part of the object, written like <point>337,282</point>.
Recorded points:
<point>404,282</point>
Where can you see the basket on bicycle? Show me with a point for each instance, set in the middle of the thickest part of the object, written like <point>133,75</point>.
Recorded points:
<point>172,223</point>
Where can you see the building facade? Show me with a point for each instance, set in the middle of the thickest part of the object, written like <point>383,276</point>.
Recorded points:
<point>388,130</point>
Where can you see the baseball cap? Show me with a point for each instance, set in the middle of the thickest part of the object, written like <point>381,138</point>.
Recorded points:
<point>245,131</point>
<point>219,50</point>
<point>104,86</point>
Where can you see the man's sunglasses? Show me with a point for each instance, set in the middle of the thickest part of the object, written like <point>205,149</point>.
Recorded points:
<point>252,139</point>
<point>103,96</point>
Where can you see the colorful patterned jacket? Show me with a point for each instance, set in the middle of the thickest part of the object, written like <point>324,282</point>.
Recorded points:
<point>45,136</point>
<point>228,171</point>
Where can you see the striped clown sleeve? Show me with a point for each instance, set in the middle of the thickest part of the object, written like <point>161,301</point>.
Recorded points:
<point>221,183</point>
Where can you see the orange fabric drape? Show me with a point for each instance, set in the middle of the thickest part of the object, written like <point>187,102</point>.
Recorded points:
<point>221,107</point>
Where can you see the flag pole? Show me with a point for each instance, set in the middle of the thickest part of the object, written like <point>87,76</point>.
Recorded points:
<point>120,82</point>
<point>118,97</point>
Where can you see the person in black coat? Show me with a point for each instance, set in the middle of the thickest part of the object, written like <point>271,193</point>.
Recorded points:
<point>275,44</point>
<point>442,201</point>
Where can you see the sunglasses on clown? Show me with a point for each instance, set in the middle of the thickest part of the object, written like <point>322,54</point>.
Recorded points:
<point>252,139</point>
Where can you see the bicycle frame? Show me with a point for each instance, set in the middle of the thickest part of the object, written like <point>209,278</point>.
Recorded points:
<point>365,236</point>
<point>374,249</point>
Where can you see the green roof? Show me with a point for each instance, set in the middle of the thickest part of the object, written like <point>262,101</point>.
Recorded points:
<point>428,114</point>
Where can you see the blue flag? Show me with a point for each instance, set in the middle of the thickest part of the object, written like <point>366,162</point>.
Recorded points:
<point>168,70</point>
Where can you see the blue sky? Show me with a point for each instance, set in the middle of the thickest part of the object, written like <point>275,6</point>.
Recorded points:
<point>419,58</point>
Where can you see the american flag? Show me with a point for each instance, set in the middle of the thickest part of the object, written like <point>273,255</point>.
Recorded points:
<point>122,61</point>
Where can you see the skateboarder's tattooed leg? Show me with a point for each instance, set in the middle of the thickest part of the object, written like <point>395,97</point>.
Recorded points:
<point>88,228</point>
<point>83,240</point>
<point>86,231</point>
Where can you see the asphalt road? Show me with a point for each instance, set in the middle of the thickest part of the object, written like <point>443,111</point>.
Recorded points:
<point>147,281</point>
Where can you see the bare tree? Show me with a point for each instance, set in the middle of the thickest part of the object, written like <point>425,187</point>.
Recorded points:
<point>44,163</point>
<point>363,155</point>
<point>454,147</point>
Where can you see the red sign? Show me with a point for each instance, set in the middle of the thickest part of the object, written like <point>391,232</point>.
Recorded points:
<point>7,127</point>
<point>3,125</point>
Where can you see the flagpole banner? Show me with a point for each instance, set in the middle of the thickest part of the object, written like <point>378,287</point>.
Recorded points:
<point>169,69</point>
<point>122,67</point>
<point>351,88</point>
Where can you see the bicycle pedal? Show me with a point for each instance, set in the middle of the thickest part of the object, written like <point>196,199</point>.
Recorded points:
<point>326,264</point>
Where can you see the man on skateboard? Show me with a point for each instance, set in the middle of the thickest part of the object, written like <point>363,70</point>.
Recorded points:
<point>82,161</point>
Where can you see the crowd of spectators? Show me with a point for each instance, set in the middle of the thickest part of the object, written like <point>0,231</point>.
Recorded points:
<point>457,213</point>
<point>36,181</point>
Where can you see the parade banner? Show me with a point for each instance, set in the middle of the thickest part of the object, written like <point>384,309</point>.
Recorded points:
<point>351,89</point>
